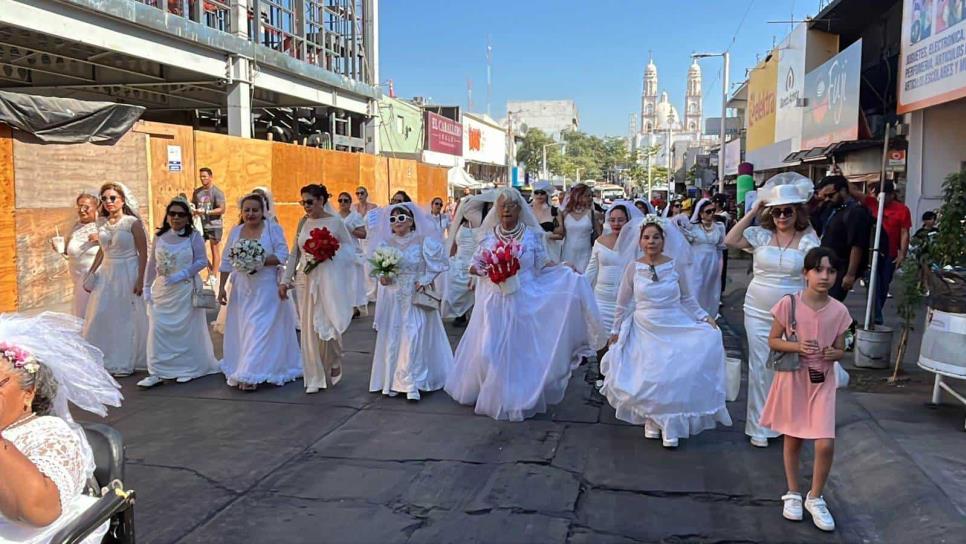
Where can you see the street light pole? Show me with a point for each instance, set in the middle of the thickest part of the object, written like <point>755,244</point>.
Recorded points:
<point>726,57</point>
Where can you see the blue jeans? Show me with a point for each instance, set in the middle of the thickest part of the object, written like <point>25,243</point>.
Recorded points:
<point>887,269</point>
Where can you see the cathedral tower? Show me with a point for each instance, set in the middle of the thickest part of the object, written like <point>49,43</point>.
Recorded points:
<point>649,98</point>
<point>692,106</point>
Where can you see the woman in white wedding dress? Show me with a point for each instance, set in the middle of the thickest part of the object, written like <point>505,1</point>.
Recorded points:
<point>579,227</point>
<point>356,226</point>
<point>45,458</point>
<point>260,345</point>
<point>520,348</point>
<point>117,320</point>
<point>460,285</point>
<point>412,352</point>
<point>707,243</point>
<point>80,248</point>
<point>179,345</point>
<point>666,365</point>
<point>325,294</point>
<point>606,267</point>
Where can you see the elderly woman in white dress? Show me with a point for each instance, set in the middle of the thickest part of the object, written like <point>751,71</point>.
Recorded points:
<point>412,351</point>
<point>580,225</point>
<point>260,344</point>
<point>356,225</point>
<point>522,344</point>
<point>45,459</point>
<point>324,290</point>
<point>117,320</point>
<point>179,345</point>
<point>80,248</point>
<point>665,369</point>
<point>707,243</point>
<point>779,246</point>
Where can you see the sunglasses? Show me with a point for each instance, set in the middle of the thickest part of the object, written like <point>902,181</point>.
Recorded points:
<point>308,202</point>
<point>401,218</point>
<point>540,193</point>
<point>708,211</point>
<point>437,203</point>
<point>84,208</point>
<point>361,193</point>
<point>345,200</point>
<point>110,198</point>
<point>177,215</point>
<point>783,212</point>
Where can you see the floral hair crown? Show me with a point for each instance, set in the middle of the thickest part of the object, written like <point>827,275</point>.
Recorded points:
<point>655,219</point>
<point>19,357</point>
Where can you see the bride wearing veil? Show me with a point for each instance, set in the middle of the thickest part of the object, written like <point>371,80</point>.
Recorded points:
<point>519,350</point>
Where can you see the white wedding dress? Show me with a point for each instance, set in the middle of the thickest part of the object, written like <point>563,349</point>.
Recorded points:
<point>50,444</point>
<point>260,343</point>
<point>519,350</point>
<point>459,293</point>
<point>666,365</point>
<point>179,345</point>
<point>80,256</point>
<point>360,278</point>
<point>117,320</point>
<point>705,272</point>
<point>577,243</point>
<point>777,272</point>
<point>604,273</point>
<point>412,350</point>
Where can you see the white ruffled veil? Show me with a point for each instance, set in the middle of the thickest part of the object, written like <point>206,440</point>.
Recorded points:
<point>78,367</point>
<point>628,244</point>
<point>380,232</point>
<point>471,209</point>
<point>696,213</point>
<point>130,200</point>
<point>269,202</point>
<point>633,213</point>
<point>527,217</point>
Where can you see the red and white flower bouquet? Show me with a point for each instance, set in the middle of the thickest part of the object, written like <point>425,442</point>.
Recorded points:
<point>320,246</point>
<point>502,264</point>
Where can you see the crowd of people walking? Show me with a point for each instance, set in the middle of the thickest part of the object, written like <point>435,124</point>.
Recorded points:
<point>540,290</point>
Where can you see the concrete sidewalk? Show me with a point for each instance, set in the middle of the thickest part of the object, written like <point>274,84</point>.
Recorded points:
<point>212,464</point>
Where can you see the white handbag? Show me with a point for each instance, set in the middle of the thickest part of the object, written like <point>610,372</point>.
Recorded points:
<point>841,376</point>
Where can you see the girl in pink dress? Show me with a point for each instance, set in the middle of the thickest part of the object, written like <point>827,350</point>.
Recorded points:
<point>801,403</point>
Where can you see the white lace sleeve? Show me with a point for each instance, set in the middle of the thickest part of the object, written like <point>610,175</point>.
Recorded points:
<point>757,236</point>
<point>688,301</point>
<point>436,262</point>
<point>808,242</point>
<point>593,266</point>
<point>50,444</point>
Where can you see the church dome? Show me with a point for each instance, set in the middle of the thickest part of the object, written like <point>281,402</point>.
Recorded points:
<point>666,114</point>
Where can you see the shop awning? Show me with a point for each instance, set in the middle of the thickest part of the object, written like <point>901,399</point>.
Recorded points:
<point>817,154</point>
<point>461,179</point>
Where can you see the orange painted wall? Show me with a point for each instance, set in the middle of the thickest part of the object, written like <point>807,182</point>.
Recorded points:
<point>8,233</point>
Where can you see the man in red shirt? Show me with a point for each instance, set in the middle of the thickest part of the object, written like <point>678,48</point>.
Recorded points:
<point>896,224</point>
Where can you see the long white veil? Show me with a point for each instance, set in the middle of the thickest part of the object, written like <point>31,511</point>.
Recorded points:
<point>633,213</point>
<point>527,217</point>
<point>380,232</point>
<point>675,245</point>
<point>266,193</point>
<point>470,209</point>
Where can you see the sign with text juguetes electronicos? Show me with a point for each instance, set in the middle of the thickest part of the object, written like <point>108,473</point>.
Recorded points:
<point>932,66</point>
<point>832,95</point>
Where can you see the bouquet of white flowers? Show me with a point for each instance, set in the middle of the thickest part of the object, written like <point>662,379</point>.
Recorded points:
<point>165,262</point>
<point>247,256</point>
<point>385,262</point>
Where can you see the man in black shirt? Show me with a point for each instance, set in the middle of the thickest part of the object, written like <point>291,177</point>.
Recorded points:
<point>843,225</point>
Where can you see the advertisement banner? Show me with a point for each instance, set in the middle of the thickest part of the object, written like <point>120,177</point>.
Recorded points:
<point>761,103</point>
<point>443,135</point>
<point>483,142</point>
<point>932,66</point>
<point>791,87</point>
<point>732,157</point>
<point>832,92</point>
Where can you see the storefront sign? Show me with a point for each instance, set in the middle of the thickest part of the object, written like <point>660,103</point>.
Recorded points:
<point>174,158</point>
<point>483,142</point>
<point>732,157</point>
<point>932,66</point>
<point>761,104</point>
<point>443,135</point>
<point>832,94</point>
<point>791,87</point>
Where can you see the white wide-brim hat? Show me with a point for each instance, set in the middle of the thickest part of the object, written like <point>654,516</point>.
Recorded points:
<point>542,185</point>
<point>786,188</point>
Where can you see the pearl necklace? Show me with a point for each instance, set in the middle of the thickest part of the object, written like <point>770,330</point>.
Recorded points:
<point>516,233</point>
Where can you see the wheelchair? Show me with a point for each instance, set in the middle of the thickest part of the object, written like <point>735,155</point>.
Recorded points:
<point>115,504</point>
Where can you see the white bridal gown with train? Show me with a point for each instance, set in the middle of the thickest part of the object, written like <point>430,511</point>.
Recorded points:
<point>412,350</point>
<point>577,242</point>
<point>519,350</point>
<point>604,273</point>
<point>260,343</point>
<point>117,319</point>
<point>666,366</point>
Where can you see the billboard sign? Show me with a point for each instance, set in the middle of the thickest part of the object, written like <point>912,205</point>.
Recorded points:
<point>791,86</point>
<point>932,66</point>
<point>732,157</point>
<point>483,142</point>
<point>443,135</point>
<point>832,94</point>
<point>761,103</point>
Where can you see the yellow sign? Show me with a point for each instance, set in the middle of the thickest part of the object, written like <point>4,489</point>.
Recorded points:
<point>761,103</point>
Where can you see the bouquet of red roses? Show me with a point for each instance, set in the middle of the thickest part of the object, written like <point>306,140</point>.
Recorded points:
<point>502,264</point>
<point>319,247</point>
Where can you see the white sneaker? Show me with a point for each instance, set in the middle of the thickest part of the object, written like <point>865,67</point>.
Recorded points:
<point>184,379</point>
<point>759,441</point>
<point>669,443</point>
<point>820,515</point>
<point>412,395</point>
<point>150,381</point>
<point>793,506</point>
<point>651,430</point>
<point>311,390</point>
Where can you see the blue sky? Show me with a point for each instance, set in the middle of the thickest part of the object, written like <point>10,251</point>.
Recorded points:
<point>591,51</point>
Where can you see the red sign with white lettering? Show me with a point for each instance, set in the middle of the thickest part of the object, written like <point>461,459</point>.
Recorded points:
<point>443,135</point>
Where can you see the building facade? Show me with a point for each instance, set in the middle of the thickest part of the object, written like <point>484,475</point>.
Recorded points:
<point>550,116</point>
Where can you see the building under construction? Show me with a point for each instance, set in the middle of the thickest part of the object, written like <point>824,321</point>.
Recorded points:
<point>293,70</point>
